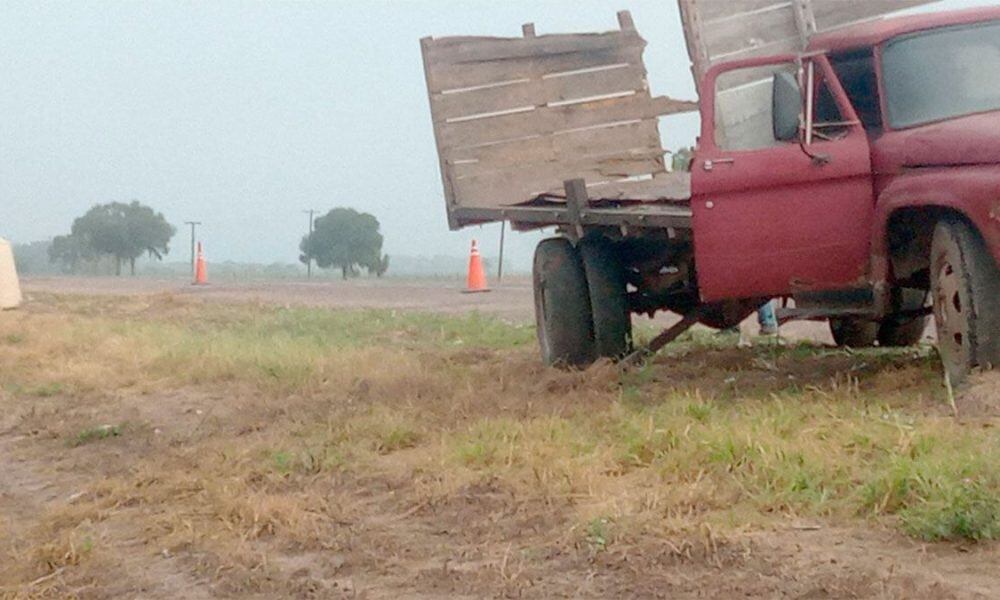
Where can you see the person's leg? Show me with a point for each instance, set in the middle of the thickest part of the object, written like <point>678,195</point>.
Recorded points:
<point>767,320</point>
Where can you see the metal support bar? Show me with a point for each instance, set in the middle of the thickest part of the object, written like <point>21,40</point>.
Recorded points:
<point>670,334</point>
<point>577,201</point>
<point>785,315</point>
<point>652,216</point>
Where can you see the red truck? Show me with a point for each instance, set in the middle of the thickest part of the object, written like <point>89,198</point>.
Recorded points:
<point>857,174</point>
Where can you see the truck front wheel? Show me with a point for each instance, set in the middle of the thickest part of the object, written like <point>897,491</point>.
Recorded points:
<point>563,316</point>
<point>965,288</point>
<point>608,298</point>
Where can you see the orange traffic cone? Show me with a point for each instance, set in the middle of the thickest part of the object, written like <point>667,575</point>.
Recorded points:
<point>476,281</point>
<point>200,269</point>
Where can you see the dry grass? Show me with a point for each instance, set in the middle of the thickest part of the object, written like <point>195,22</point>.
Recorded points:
<point>252,434</point>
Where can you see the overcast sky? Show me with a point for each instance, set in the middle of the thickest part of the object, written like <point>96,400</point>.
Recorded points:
<point>242,114</point>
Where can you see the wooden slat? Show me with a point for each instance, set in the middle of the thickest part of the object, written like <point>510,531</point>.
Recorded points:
<point>831,14</point>
<point>481,50</point>
<point>732,38</point>
<point>451,76</point>
<point>663,187</point>
<point>555,119</point>
<point>713,10</point>
<point>638,140</point>
<point>539,92</point>
<point>524,182</point>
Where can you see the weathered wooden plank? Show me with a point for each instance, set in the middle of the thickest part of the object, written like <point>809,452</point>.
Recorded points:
<point>675,186</point>
<point>522,183</point>
<point>733,38</point>
<point>636,140</point>
<point>554,119</point>
<point>518,94</point>
<point>449,195</point>
<point>448,76</point>
<point>831,14</point>
<point>652,215</point>
<point>539,92</point>
<point>663,187</point>
<point>610,165</point>
<point>479,50</point>
<point>713,10</point>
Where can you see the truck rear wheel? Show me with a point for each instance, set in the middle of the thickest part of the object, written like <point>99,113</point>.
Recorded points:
<point>965,288</point>
<point>854,332</point>
<point>608,298</point>
<point>562,305</point>
<point>893,333</point>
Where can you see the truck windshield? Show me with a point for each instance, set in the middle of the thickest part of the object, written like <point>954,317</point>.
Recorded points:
<point>942,74</point>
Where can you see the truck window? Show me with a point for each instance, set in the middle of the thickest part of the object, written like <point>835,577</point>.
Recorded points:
<point>942,74</point>
<point>856,71</point>
<point>743,103</point>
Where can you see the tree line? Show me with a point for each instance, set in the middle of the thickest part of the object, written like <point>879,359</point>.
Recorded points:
<point>120,233</point>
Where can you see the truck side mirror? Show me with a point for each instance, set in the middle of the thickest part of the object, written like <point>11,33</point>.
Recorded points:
<point>787,106</point>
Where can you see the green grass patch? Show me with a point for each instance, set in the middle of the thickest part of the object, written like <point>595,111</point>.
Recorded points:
<point>96,434</point>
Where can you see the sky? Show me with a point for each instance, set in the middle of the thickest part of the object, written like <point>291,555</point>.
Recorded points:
<point>242,114</point>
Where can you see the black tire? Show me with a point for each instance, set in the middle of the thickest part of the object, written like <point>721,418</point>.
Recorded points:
<point>854,332</point>
<point>608,298</point>
<point>965,289</point>
<point>896,334</point>
<point>562,305</point>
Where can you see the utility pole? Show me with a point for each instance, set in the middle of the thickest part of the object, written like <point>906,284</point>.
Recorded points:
<point>309,260</point>
<point>193,224</point>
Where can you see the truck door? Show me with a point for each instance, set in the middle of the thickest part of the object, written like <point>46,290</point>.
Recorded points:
<point>773,217</point>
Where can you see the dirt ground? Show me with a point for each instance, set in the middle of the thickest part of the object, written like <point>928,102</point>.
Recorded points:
<point>177,503</point>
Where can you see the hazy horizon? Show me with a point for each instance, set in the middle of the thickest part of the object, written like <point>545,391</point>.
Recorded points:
<point>243,114</point>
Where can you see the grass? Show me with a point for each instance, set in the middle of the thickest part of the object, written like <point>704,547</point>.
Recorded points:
<point>317,410</point>
<point>94,434</point>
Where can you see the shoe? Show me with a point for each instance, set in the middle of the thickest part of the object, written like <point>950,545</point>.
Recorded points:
<point>768,330</point>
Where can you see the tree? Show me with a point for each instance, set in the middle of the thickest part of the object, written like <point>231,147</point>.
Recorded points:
<point>122,231</point>
<point>345,239</point>
<point>382,266</point>
<point>69,251</point>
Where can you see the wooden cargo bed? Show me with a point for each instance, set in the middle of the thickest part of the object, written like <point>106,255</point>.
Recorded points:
<point>516,117</point>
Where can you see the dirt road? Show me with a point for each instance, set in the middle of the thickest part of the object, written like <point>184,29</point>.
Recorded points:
<point>512,300</point>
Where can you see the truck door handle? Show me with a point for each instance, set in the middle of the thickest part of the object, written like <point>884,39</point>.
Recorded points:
<point>710,164</point>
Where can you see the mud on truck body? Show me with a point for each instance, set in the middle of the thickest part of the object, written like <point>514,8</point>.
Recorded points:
<point>847,162</point>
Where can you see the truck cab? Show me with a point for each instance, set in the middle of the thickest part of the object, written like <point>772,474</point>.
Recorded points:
<point>862,179</point>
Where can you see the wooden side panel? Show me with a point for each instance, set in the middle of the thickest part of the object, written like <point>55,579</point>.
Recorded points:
<point>723,30</point>
<point>832,14</point>
<point>772,27</point>
<point>720,30</point>
<point>515,117</point>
